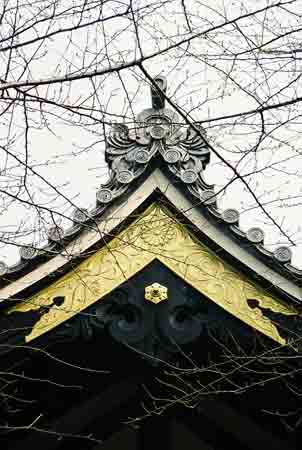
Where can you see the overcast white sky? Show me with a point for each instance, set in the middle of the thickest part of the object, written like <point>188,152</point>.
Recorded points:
<point>71,156</point>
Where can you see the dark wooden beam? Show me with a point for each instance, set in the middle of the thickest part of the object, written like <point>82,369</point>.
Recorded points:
<point>79,417</point>
<point>246,431</point>
<point>184,439</point>
<point>155,433</point>
<point>126,439</point>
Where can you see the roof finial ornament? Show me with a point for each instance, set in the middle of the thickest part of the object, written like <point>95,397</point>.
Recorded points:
<point>158,133</point>
<point>158,95</point>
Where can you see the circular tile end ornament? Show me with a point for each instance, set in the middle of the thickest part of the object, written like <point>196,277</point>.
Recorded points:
<point>172,156</point>
<point>28,252</point>
<point>283,254</point>
<point>230,216</point>
<point>104,196</point>
<point>124,176</point>
<point>55,234</point>
<point>80,215</point>
<point>255,235</point>
<point>142,156</point>
<point>158,132</point>
<point>189,176</point>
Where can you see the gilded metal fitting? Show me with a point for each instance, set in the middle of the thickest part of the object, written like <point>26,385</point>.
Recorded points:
<point>156,293</point>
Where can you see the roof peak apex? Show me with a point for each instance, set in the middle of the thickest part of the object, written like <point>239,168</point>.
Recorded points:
<point>157,135</point>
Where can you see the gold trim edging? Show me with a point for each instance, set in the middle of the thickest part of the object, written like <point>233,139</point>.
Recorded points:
<point>155,235</point>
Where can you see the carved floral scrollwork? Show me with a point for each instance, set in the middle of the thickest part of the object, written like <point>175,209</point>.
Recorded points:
<point>155,236</point>
<point>155,331</point>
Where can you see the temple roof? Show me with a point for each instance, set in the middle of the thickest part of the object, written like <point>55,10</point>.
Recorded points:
<point>159,155</point>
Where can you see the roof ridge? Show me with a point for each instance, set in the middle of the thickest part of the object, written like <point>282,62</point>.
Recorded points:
<point>183,150</point>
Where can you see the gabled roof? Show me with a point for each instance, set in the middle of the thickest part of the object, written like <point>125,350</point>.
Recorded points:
<point>158,156</point>
<point>156,235</point>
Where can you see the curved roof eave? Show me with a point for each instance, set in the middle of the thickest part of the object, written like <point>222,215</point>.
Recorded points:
<point>225,237</point>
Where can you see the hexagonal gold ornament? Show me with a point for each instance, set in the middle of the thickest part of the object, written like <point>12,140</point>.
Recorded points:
<point>156,293</point>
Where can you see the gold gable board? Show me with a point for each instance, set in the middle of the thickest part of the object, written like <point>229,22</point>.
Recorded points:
<point>154,235</point>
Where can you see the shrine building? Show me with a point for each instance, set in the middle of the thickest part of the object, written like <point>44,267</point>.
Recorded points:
<point>154,321</point>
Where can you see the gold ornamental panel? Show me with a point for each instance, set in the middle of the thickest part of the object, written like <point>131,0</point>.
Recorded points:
<point>155,235</point>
